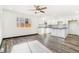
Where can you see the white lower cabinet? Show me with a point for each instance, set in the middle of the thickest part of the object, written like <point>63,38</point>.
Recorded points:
<point>59,32</point>
<point>54,32</point>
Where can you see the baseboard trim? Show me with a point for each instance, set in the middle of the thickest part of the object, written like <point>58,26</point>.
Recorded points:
<point>21,36</point>
<point>73,34</point>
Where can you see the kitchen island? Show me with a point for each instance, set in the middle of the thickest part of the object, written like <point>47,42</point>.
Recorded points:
<point>54,30</point>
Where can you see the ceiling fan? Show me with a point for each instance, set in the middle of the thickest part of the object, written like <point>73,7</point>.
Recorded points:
<point>39,8</point>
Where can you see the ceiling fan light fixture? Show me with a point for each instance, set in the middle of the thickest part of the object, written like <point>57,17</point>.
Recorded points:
<point>39,8</point>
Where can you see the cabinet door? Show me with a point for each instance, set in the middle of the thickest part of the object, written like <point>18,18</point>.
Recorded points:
<point>74,28</point>
<point>53,32</point>
<point>58,32</point>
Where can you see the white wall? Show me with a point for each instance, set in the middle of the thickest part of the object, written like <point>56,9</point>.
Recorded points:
<point>53,20</point>
<point>0,26</point>
<point>10,29</point>
<point>9,24</point>
<point>0,22</point>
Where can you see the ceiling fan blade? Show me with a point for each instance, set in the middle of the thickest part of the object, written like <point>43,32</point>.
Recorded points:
<point>43,8</point>
<point>36,6</point>
<point>42,11</point>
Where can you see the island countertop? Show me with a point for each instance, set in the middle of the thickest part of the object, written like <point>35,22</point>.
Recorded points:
<point>54,26</point>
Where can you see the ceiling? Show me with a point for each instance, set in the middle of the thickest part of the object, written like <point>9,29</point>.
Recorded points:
<point>52,10</point>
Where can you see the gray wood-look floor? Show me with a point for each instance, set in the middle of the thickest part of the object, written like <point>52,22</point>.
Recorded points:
<point>58,45</point>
